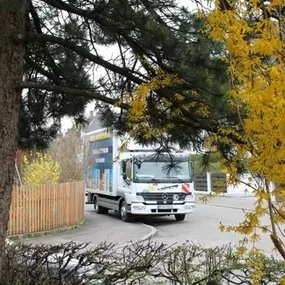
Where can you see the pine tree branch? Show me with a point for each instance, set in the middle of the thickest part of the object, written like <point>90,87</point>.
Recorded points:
<point>155,15</point>
<point>85,53</point>
<point>41,70</point>
<point>95,16</point>
<point>73,91</point>
<point>35,17</point>
<point>224,5</point>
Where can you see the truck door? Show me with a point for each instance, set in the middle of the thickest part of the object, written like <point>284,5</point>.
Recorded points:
<point>127,177</point>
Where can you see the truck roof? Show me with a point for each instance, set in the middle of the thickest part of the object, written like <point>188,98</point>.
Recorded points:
<point>143,155</point>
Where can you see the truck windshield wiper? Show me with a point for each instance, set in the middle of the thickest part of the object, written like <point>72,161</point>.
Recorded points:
<point>154,180</point>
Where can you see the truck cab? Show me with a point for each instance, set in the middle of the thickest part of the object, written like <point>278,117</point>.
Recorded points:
<point>156,185</point>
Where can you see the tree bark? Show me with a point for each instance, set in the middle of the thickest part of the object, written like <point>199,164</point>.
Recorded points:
<point>12,22</point>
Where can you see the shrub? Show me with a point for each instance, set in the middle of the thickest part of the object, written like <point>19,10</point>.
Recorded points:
<point>40,169</point>
<point>141,263</point>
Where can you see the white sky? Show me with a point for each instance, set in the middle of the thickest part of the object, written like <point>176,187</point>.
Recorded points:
<point>108,53</point>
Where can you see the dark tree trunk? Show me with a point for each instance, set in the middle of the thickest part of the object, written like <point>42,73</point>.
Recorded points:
<point>12,33</point>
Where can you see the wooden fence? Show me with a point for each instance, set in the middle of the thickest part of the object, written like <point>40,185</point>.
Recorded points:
<point>47,207</point>
<point>210,182</point>
<point>219,182</point>
<point>201,182</point>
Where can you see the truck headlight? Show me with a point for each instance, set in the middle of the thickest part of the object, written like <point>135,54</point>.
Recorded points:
<point>140,198</point>
<point>189,198</point>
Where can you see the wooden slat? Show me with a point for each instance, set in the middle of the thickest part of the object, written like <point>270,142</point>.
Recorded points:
<point>42,209</point>
<point>29,210</point>
<point>54,209</point>
<point>38,219</point>
<point>23,210</point>
<point>48,209</point>
<point>62,207</point>
<point>68,218</point>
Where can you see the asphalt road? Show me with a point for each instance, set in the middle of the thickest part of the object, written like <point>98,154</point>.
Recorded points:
<point>201,227</point>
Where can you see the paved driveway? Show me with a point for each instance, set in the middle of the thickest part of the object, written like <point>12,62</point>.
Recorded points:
<point>200,227</point>
<point>99,228</point>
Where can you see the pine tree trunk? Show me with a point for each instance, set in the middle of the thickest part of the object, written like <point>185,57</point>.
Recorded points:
<point>12,32</point>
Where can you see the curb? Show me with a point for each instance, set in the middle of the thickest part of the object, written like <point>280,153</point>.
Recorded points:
<point>227,195</point>
<point>48,233</point>
<point>151,234</point>
<point>223,206</point>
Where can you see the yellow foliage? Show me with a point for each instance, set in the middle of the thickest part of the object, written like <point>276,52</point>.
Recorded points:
<point>206,198</point>
<point>282,281</point>
<point>256,65</point>
<point>241,250</point>
<point>42,169</point>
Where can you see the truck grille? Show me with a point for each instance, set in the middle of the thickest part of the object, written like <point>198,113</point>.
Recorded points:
<point>160,198</point>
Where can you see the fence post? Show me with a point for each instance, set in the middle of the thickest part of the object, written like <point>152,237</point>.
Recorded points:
<point>209,182</point>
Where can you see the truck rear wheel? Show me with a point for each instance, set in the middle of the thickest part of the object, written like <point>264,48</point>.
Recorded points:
<point>180,217</point>
<point>99,209</point>
<point>125,216</point>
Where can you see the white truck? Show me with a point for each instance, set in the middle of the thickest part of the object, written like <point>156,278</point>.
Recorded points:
<point>136,181</point>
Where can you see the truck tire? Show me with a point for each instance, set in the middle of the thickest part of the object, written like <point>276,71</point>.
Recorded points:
<point>99,209</point>
<point>180,217</point>
<point>125,216</point>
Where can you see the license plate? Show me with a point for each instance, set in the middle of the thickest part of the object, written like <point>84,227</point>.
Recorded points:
<point>165,207</point>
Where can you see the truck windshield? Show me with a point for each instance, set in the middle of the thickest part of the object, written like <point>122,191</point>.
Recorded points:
<point>162,171</point>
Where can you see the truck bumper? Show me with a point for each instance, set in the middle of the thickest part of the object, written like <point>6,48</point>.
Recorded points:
<point>154,209</point>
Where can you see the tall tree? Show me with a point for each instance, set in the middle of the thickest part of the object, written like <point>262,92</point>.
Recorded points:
<point>48,46</point>
<point>13,16</point>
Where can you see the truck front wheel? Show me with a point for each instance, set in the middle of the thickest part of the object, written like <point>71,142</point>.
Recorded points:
<point>180,217</point>
<point>125,216</point>
<point>99,209</point>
